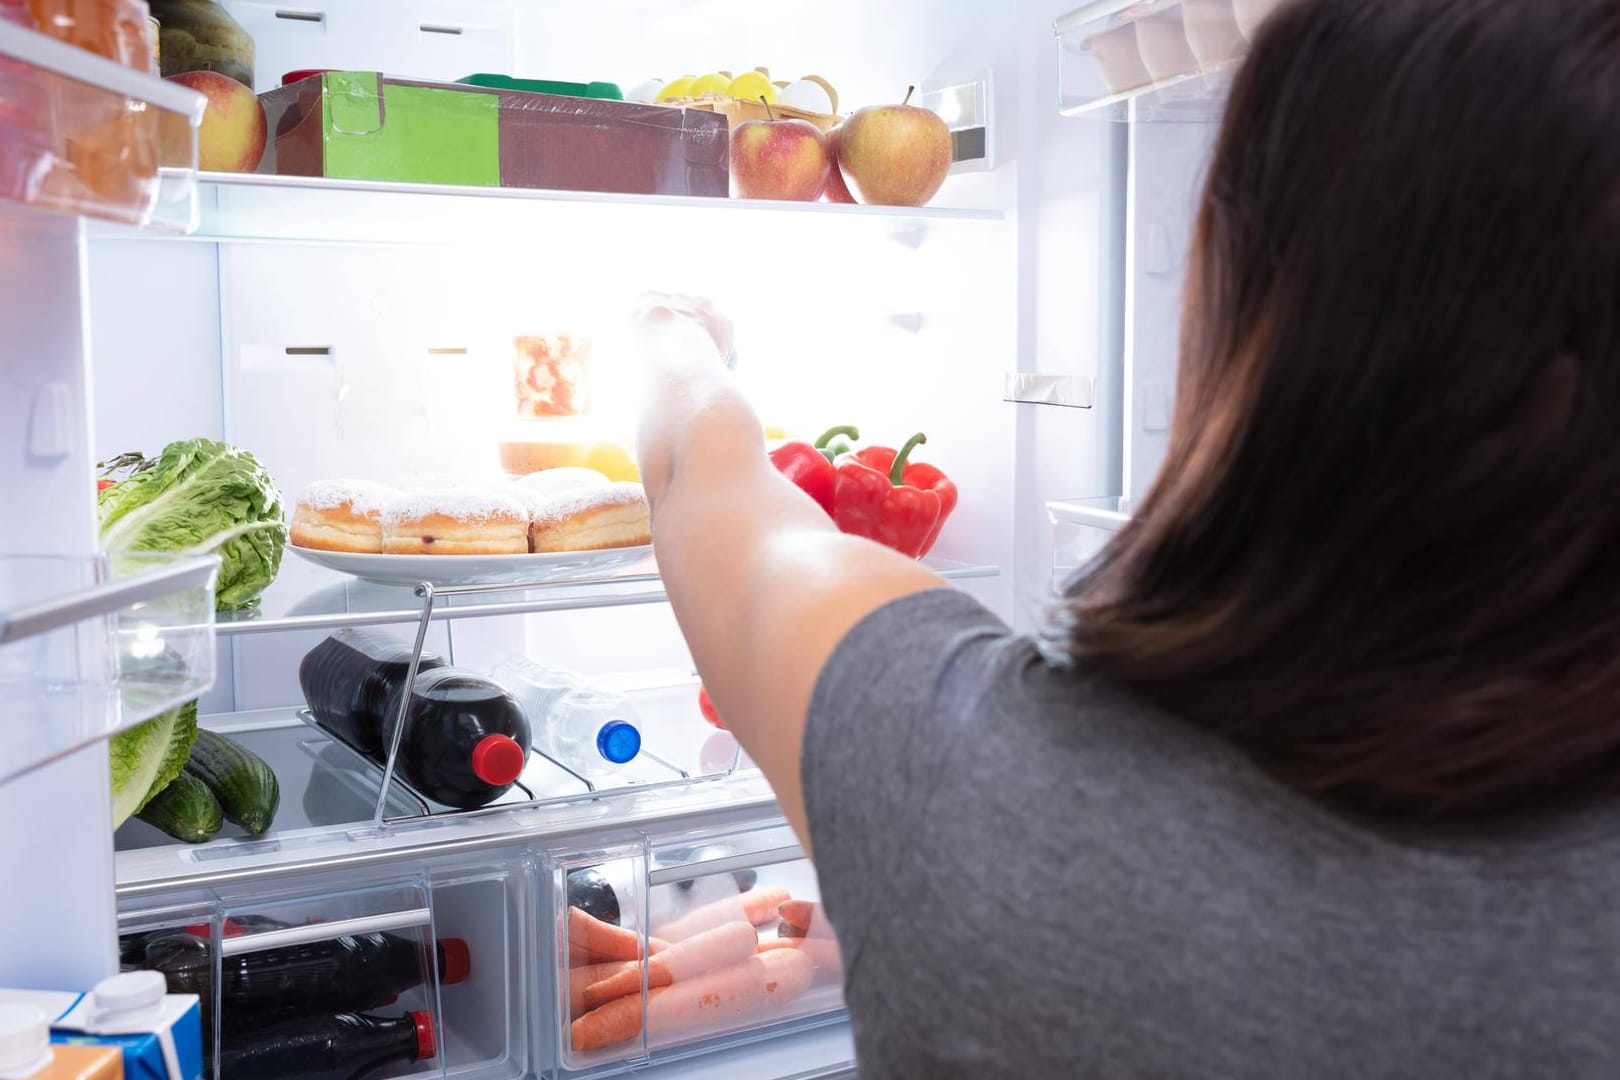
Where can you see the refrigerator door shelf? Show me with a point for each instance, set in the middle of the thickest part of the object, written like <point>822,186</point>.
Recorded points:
<point>93,645</point>
<point>88,136</point>
<point>735,918</point>
<point>1167,60</point>
<point>1080,529</point>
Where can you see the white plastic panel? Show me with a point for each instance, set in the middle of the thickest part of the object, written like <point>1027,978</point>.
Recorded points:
<point>427,39</point>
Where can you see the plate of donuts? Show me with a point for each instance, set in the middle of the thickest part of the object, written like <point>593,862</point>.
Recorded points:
<point>561,524</point>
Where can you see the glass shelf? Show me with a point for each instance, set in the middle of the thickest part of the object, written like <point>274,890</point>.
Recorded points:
<point>1152,60</point>
<point>93,645</point>
<point>85,135</point>
<point>328,787</point>
<point>251,207</point>
<point>309,597</point>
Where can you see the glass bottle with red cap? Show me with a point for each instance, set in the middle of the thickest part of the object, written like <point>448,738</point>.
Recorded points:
<point>348,1046</point>
<point>349,973</point>
<point>466,740</point>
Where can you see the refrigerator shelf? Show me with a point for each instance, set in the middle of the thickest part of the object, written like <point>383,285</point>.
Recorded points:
<point>307,597</point>
<point>329,794</point>
<point>254,207</point>
<point>93,645</point>
<point>329,788</point>
<point>1153,60</point>
<point>85,135</point>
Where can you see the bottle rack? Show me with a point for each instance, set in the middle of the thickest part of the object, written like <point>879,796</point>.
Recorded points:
<point>663,773</point>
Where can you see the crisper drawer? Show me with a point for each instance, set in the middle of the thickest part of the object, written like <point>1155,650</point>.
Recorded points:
<point>667,949</point>
<point>417,976</point>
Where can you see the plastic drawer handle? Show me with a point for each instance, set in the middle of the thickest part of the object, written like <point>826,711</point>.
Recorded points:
<point>749,860</point>
<point>324,931</point>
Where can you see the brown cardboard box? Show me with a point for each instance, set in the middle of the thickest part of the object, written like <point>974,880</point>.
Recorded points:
<point>586,144</point>
<point>364,126</point>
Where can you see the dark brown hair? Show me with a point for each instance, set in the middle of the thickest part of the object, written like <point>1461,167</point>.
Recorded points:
<point>1383,554</point>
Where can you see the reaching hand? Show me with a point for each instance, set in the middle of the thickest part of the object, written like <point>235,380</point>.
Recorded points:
<point>657,312</point>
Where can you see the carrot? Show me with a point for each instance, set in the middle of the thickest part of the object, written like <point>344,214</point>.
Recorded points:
<point>698,954</point>
<point>581,977</point>
<point>757,985</point>
<point>823,952</point>
<point>600,941</point>
<point>755,906</point>
<point>800,913</point>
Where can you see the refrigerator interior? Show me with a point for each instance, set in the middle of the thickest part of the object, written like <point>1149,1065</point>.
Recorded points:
<point>334,330</point>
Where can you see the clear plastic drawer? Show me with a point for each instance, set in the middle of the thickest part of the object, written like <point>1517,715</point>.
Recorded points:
<point>667,950</point>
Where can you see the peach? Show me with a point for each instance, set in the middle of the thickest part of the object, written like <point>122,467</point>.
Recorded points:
<point>233,127</point>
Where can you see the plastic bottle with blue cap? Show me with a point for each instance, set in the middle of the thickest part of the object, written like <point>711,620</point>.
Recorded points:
<point>589,730</point>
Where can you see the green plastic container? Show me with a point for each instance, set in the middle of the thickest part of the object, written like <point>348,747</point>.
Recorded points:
<point>602,91</point>
<point>360,125</point>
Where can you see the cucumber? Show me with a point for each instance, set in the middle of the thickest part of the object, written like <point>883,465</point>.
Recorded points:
<point>245,786</point>
<point>185,809</point>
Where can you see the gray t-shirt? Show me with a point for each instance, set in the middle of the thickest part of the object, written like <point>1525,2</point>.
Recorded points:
<point>1033,874</point>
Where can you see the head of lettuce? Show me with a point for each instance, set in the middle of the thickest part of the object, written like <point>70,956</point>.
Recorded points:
<point>200,497</point>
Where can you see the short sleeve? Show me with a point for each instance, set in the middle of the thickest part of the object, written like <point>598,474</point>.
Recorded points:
<point>889,707</point>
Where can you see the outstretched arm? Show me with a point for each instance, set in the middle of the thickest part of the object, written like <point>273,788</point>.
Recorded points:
<point>763,586</point>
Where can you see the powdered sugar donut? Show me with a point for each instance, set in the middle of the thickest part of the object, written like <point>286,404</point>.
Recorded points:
<point>340,515</point>
<point>461,480</point>
<point>562,479</point>
<point>592,519</point>
<point>455,522</point>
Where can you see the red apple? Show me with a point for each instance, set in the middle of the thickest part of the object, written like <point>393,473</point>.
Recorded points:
<point>895,155</point>
<point>233,130</point>
<point>837,190</point>
<point>779,159</point>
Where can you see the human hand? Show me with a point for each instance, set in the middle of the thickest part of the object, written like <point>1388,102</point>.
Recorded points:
<point>658,314</point>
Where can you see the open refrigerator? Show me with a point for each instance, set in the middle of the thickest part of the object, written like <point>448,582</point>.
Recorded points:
<point>1025,320</point>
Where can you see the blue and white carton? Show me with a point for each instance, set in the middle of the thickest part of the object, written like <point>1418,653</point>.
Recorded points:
<point>160,1033</point>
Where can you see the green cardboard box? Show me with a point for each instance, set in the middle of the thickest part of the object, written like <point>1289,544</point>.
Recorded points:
<point>360,125</point>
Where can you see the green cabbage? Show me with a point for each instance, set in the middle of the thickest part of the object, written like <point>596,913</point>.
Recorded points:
<point>146,758</point>
<point>202,496</point>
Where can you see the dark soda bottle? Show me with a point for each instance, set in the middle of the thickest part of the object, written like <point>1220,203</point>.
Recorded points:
<point>335,975</point>
<point>348,680</point>
<point>348,1046</point>
<point>466,739</point>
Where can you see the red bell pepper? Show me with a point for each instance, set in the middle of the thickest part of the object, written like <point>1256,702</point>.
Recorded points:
<point>706,707</point>
<point>810,465</point>
<point>879,494</point>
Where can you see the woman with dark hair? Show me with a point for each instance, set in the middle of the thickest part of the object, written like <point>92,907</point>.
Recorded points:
<point>1318,772</point>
